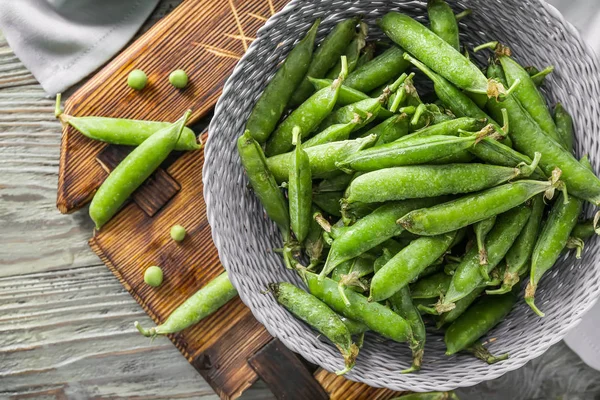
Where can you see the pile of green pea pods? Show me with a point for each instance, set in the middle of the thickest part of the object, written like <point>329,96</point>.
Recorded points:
<point>394,209</point>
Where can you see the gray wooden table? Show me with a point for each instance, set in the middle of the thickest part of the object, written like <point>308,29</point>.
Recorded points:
<point>66,328</point>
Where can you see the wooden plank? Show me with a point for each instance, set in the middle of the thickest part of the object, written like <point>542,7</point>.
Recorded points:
<point>154,193</point>
<point>204,37</point>
<point>285,374</point>
<point>218,346</point>
<point>340,388</point>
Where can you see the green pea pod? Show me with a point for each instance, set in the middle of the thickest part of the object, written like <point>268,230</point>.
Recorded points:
<point>564,126</point>
<point>366,109</point>
<point>467,277</point>
<point>337,183</point>
<point>376,317</point>
<point>323,158</point>
<point>406,266</point>
<point>528,138</point>
<point>334,133</point>
<point>473,208</point>
<point>417,151</point>
<point>428,396</point>
<point>519,255</point>
<point>127,132</point>
<point>314,243</point>
<point>324,58</point>
<point>538,77</point>
<point>433,286</point>
<point>319,316</point>
<point>370,231</point>
<point>368,53</point>
<point>300,191</point>
<point>377,72</point>
<point>529,96</point>
<point>409,182</point>
<point>585,230</point>
<point>133,171</point>
<point>443,22</point>
<point>329,202</point>
<point>200,305</point>
<point>347,94</point>
<point>448,128</point>
<point>478,320</point>
<point>354,327</point>
<point>402,304</point>
<point>263,183</point>
<point>308,116</point>
<point>460,307</point>
<point>481,229</point>
<point>551,242</point>
<point>434,52</point>
<point>390,130</point>
<point>353,51</point>
<point>270,105</point>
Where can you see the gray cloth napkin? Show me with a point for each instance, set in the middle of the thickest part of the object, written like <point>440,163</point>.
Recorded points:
<point>63,41</point>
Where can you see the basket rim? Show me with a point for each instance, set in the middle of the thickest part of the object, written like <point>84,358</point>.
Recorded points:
<point>557,18</point>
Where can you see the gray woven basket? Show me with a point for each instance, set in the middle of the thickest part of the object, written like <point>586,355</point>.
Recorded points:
<point>538,35</point>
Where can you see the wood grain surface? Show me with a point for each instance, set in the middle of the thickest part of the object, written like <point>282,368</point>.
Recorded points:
<point>204,37</point>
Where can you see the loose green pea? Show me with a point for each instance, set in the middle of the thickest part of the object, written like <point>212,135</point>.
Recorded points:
<point>153,276</point>
<point>137,79</point>
<point>178,233</point>
<point>178,78</point>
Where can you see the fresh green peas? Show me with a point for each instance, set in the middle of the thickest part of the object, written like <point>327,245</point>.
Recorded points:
<point>473,208</point>
<point>529,138</point>
<point>448,128</point>
<point>178,78</point>
<point>434,52</point>
<point>478,320</point>
<point>367,109</point>
<point>153,276</point>
<point>585,230</point>
<point>551,242</point>
<point>461,306</point>
<point>323,158</point>
<point>308,116</point>
<point>127,132</point>
<point>538,77</point>
<point>353,51</point>
<point>137,79</point>
<point>481,229</point>
<point>519,255</point>
<point>367,55</point>
<point>318,315</point>
<point>314,243</point>
<point>263,183</point>
<point>467,277</point>
<point>564,126</point>
<point>402,304</point>
<point>337,183</point>
<point>433,286</point>
<point>270,105</point>
<point>529,96</point>
<point>133,171</point>
<point>199,306</point>
<point>408,182</point>
<point>335,133</point>
<point>406,266</point>
<point>443,22</point>
<point>354,327</point>
<point>377,72</point>
<point>370,231</point>
<point>300,190</point>
<point>377,317</point>
<point>329,202</point>
<point>324,58</point>
<point>178,233</point>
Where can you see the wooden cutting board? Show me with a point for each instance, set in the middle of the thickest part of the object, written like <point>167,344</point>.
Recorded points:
<point>230,349</point>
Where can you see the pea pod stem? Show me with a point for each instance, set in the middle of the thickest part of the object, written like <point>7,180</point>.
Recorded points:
<point>488,45</point>
<point>479,351</point>
<point>463,14</point>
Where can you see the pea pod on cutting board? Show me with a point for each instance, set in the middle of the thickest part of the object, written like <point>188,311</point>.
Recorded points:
<point>323,158</point>
<point>307,116</point>
<point>200,305</point>
<point>263,183</point>
<point>408,182</point>
<point>318,315</point>
<point>133,171</point>
<point>121,131</point>
<point>272,102</point>
<point>325,57</point>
